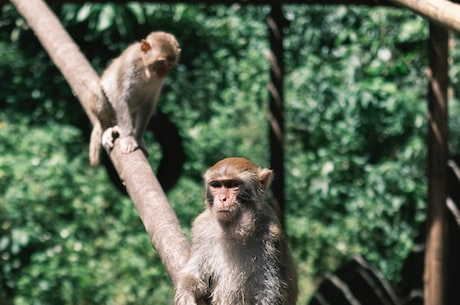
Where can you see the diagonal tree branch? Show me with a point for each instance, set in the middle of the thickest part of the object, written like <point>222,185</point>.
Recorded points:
<point>149,199</point>
<point>443,12</point>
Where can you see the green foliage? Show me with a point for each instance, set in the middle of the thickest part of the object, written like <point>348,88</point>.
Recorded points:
<point>355,100</point>
<point>67,238</point>
<point>356,150</point>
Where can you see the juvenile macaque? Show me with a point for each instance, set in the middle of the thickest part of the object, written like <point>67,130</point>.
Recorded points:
<point>132,85</point>
<point>239,254</point>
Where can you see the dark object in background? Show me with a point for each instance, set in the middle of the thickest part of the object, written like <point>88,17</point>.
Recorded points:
<point>355,283</point>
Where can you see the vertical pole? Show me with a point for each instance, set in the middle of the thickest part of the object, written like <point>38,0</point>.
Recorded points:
<point>276,22</point>
<point>436,254</point>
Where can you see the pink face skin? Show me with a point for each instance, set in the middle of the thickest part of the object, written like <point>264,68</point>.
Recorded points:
<point>225,202</point>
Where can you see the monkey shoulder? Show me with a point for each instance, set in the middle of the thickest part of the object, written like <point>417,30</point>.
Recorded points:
<point>121,68</point>
<point>269,223</point>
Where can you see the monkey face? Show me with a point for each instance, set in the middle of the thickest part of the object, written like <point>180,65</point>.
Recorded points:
<point>233,187</point>
<point>160,53</point>
<point>162,66</point>
<point>222,196</point>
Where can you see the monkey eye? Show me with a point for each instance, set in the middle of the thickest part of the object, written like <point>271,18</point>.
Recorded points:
<point>229,184</point>
<point>232,183</point>
<point>215,184</point>
<point>157,65</point>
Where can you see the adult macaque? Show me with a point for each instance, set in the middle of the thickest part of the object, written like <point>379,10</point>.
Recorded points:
<point>239,254</point>
<point>132,84</point>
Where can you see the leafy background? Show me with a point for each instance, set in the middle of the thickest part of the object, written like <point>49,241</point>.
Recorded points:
<point>355,98</point>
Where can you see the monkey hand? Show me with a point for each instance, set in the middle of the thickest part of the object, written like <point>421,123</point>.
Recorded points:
<point>109,136</point>
<point>186,300</point>
<point>128,144</point>
<point>190,290</point>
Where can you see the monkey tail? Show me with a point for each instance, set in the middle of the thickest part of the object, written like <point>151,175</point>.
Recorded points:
<point>95,145</point>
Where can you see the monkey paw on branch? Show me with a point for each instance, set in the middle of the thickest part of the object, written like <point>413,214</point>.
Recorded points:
<point>128,144</point>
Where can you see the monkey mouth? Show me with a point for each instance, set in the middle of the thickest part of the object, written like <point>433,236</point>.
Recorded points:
<point>160,72</point>
<point>226,211</point>
<point>226,215</point>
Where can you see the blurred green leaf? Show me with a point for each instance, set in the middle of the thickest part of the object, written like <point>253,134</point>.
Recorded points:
<point>106,17</point>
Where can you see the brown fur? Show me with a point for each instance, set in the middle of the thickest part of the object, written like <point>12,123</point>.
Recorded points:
<point>240,258</point>
<point>132,84</point>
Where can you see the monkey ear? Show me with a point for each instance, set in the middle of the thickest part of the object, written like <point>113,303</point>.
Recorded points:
<point>265,177</point>
<point>145,45</point>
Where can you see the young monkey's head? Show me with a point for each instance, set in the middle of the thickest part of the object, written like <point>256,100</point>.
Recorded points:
<point>160,53</point>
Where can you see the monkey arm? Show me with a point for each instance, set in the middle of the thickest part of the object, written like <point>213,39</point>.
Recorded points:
<point>193,285</point>
<point>191,288</point>
<point>119,94</point>
<point>280,271</point>
<point>272,290</point>
<point>123,114</point>
<point>117,84</point>
<point>142,120</point>
<point>127,141</point>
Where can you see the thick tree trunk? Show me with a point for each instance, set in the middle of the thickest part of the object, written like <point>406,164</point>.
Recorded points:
<point>149,199</point>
